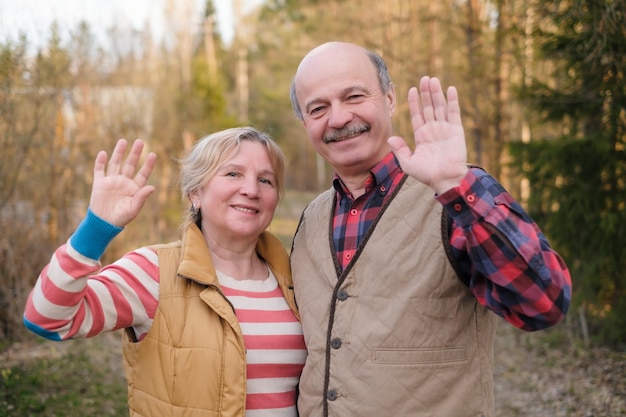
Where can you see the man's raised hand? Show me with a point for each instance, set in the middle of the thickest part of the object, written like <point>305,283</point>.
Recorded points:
<point>440,156</point>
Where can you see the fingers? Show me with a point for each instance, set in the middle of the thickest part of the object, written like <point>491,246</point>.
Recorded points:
<point>399,148</point>
<point>128,169</point>
<point>116,157</point>
<point>454,109</point>
<point>415,108</point>
<point>98,166</point>
<point>142,194</point>
<point>117,164</point>
<point>146,169</point>
<point>427,102</point>
<point>431,104</point>
<point>439,102</point>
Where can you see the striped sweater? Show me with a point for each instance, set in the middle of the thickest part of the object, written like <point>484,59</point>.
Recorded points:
<point>75,297</point>
<point>275,351</point>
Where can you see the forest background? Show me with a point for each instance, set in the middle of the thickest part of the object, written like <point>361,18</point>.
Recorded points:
<point>542,92</point>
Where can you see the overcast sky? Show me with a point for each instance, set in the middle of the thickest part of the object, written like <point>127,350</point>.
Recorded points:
<point>35,16</point>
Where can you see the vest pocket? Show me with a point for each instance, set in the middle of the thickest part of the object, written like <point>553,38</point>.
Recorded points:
<point>420,356</point>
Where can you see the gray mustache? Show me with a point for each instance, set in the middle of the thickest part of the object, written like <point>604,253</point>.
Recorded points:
<point>345,133</point>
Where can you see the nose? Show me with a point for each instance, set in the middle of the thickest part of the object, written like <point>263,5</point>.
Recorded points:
<point>250,187</point>
<point>339,116</point>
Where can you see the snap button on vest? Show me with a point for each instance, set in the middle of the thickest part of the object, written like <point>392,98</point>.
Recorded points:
<point>342,295</point>
<point>335,343</point>
<point>331,394</point>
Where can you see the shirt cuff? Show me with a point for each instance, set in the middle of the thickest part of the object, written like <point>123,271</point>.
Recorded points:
<point>470,200</point>
<point>93,235</point>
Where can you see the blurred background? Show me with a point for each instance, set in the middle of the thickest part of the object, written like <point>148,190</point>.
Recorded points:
<point>543,97</point>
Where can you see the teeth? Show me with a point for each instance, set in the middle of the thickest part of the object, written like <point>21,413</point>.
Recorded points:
<point>341,139</point>
<point>245,210</point>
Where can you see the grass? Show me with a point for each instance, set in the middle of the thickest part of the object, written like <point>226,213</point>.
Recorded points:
<point>84,379</point>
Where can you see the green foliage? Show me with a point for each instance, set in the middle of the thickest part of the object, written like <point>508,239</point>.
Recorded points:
<point>70,386</point>
<point>612,332</point>
<point>206,102</point>
<point>569,192</point>
<point>577,186</point>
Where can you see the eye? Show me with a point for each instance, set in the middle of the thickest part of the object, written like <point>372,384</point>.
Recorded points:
<point>317,111</point>
<point>232,174</point>
<point>266,181</point>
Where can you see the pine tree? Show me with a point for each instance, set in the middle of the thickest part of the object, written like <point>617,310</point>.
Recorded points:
<point>577,169</point>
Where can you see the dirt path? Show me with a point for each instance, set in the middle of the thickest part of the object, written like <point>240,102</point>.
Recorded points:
<point>534,379</point>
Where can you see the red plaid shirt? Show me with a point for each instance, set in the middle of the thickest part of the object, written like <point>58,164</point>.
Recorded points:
<point>499,250</point>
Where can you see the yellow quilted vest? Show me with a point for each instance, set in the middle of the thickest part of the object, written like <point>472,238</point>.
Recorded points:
<point>192,362</point>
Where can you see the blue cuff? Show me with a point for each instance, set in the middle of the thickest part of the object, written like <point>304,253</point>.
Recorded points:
<point>93,236</point>
<point>41,331</point>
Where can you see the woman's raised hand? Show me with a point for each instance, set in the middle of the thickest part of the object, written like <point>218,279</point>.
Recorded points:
<point>120,188</point>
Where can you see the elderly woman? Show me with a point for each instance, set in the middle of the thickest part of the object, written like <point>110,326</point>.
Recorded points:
<point>211,326</point>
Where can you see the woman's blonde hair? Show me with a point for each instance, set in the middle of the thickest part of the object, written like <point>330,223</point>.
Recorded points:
<point>209,153</point>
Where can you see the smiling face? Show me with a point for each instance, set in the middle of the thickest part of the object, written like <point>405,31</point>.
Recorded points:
<point>346,114</point>
<point>238,202</point>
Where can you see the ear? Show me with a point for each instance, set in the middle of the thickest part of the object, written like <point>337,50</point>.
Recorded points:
<point>194,198</point>
<point>391,99</point>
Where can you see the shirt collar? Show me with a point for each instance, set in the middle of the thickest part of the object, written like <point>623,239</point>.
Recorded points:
<point>381,174</point>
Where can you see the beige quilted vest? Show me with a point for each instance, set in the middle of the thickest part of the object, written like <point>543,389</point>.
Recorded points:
<point>397,333</point>
<point>192,361</point>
